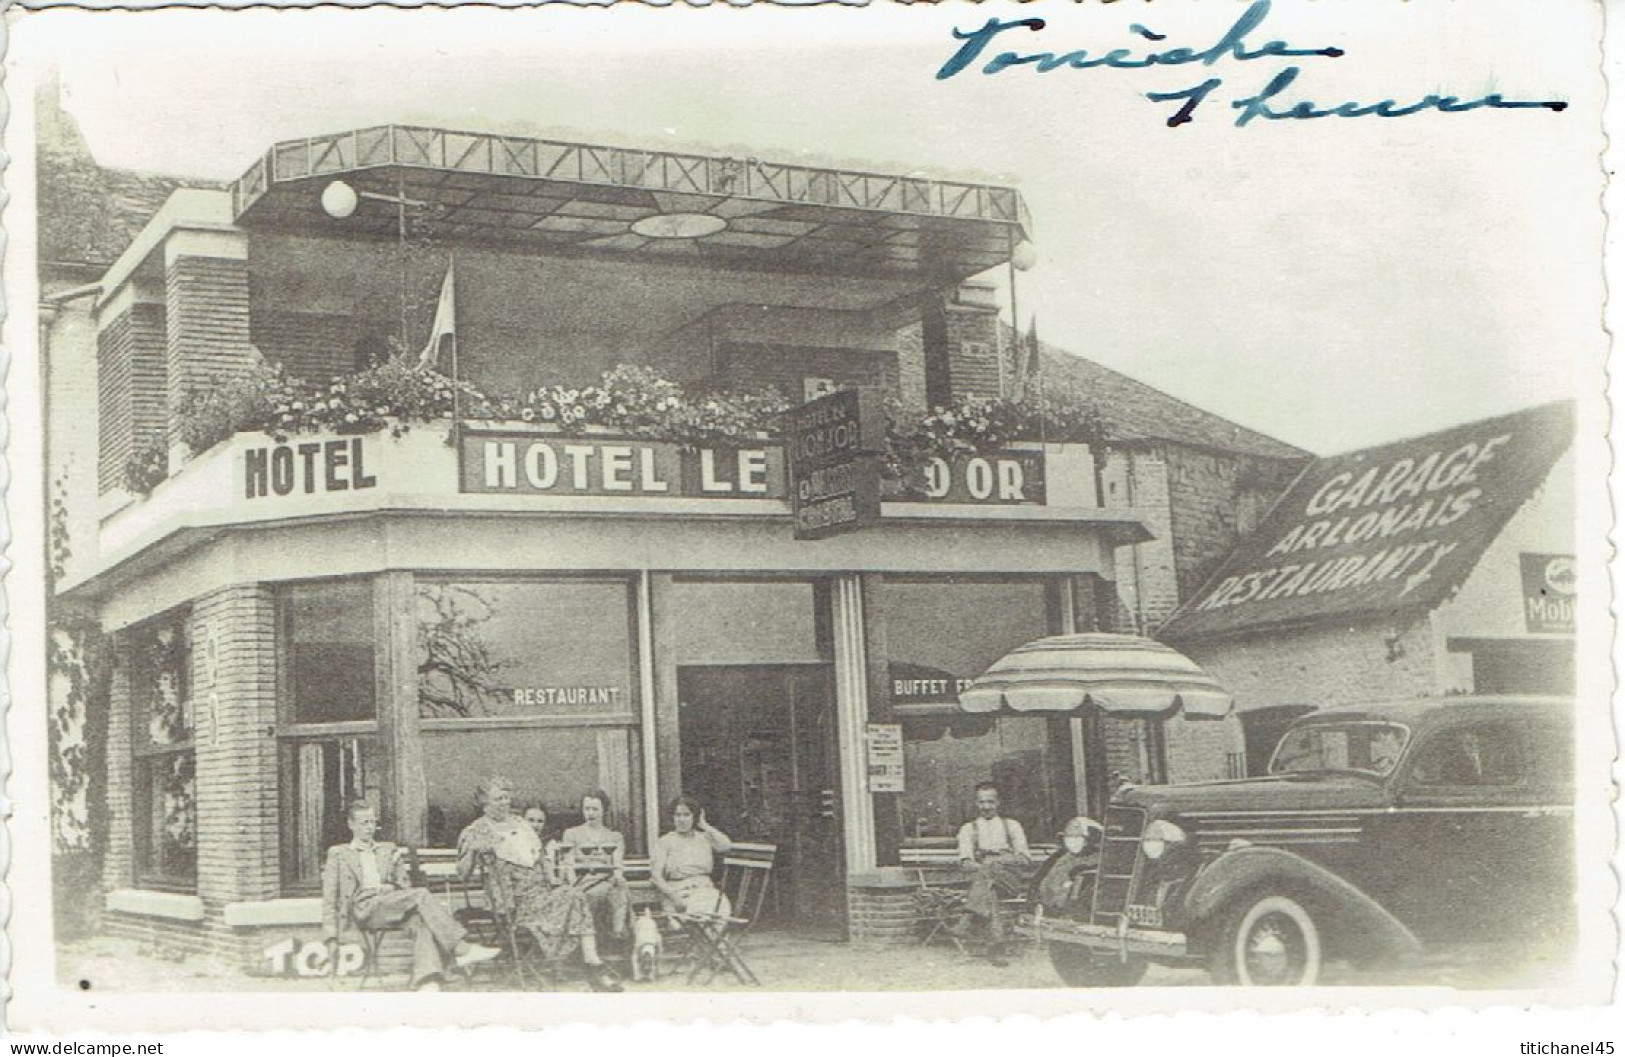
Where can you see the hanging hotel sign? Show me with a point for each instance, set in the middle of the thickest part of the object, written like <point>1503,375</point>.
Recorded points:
<point>1548,593</point>
<point>885,757</point>
<point>532,464</point>
<point>835,463</point>
<point>1385,528</point>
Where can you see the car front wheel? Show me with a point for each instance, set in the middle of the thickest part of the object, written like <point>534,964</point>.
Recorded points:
<point>1267,942</point>
<point>1081,967</point>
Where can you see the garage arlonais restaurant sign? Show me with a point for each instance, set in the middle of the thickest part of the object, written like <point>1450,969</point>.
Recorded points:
<point>1392,527</point>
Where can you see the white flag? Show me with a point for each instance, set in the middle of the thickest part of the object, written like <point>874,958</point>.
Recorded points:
<point>445,322</point>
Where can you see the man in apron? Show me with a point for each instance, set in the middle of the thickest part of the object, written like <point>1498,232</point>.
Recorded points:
<point>993,851</point>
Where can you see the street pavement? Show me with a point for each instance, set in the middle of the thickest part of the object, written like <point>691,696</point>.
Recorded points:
<point>791,963</point>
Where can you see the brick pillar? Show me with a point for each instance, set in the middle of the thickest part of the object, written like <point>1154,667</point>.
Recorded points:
<point>883,912</point>
<point>131,380</point>
<point>118,861</point>
<point>233,635</point>
<point>206,277</point>
<point>911,387</point>
<point>972,332</point>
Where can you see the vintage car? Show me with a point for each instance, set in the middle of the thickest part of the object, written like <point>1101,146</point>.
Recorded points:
<point>1378,829</point>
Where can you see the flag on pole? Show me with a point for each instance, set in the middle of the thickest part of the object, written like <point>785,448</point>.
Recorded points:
<point>1035,354</point>
<point>444,330</point>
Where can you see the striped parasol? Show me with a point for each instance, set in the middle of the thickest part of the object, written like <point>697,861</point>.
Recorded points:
<point>1115,673</point>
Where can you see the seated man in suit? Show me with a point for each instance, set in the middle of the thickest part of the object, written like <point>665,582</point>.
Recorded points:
<point>365,883</point>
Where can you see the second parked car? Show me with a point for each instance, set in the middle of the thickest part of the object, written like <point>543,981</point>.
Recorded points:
<point>1377,830</point>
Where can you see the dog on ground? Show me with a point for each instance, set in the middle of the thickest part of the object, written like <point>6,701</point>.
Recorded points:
<point>647,947</point>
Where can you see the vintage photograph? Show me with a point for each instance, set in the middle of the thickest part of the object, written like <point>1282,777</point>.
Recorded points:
<point>920,499</point>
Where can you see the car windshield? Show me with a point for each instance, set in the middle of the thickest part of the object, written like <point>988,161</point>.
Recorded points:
<point>1361,746</point>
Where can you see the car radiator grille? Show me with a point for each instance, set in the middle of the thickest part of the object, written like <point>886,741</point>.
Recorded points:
<point>1119,862</point>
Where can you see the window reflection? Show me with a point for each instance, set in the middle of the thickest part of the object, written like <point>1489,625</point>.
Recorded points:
<point>524,648</point>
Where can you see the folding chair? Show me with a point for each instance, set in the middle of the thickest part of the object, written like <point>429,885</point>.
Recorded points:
<point>714,939</point>
<point>939,909</point>
<point>372,942</point>
<point>523,958</point>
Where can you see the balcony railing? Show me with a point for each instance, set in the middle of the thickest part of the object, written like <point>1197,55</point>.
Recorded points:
<point>472,152</point>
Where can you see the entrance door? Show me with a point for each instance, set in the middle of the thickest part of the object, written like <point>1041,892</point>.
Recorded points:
<point>759,752</point>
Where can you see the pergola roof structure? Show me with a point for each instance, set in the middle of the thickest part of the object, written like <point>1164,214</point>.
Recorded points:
<point>551,197</point>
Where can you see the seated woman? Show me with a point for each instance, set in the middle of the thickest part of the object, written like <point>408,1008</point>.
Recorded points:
<point>683,860</point>
<point>594,861</point>
<point>536,818</point>
<point>520,883</point>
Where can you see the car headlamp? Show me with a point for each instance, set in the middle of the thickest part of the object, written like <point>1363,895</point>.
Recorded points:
<point>1159,837</point>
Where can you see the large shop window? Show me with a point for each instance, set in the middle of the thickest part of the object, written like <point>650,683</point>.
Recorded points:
<point>939,635</point>
<point>165,801</point>
<point>532,679</point>
<point>328,753</point>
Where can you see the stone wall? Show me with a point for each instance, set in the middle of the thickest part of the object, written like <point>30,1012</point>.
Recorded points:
<point>1335,664</point>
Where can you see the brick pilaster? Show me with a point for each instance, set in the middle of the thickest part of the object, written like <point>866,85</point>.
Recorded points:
<point>233,634</point>
<point>911,388</point>
<point>132,386</point>
<point>207,321</point>
<point>883,915</point>
<point>118,861</point>
<point>973,350</point>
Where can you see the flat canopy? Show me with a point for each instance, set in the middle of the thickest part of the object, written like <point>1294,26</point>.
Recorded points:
<point>552,197</point>
<point>1114,673</point>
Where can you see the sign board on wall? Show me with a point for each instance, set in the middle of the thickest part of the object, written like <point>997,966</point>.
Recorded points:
<point>885,757</point>
<point>306,468</point>
<point>1373,531</point>
<point>533,464</point>
<point>1548,593</point>
<point>527,462</point>
<point>918,684</point>
<point>835,444</point>
<point>1008,478</point>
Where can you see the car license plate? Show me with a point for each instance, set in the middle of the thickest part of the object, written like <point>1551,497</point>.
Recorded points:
<point>1151,917</point>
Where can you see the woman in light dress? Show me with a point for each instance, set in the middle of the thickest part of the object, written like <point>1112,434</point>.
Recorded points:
<point>594,861</point>
<point>684,859</point>
<point>521,884</point>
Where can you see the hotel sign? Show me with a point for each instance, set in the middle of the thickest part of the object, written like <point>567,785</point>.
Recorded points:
<point>306,467</point>
<point>1010,478</point>
<point>532,464</point>
<point>835,444</point>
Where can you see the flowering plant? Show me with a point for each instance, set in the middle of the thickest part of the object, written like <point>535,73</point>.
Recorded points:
<point>147,466</point>
<point>982,425</point>
<point>639,401</point>
<point>389,395</point>
<point>632,399</point>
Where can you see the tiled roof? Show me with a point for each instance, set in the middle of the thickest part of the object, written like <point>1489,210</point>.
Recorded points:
<point>88,214</point>
<point>1133,410</point>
